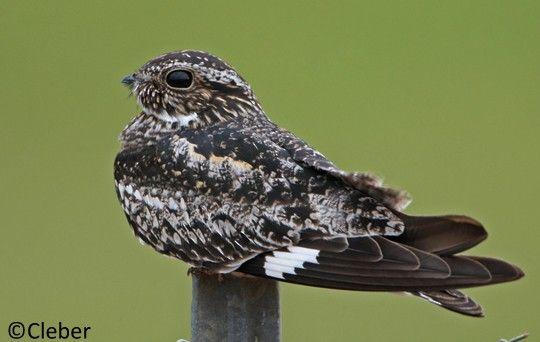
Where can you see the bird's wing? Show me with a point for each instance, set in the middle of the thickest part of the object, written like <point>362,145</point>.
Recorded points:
<point>218,196</point>
<point>365,182</point>
<point>379,264</point>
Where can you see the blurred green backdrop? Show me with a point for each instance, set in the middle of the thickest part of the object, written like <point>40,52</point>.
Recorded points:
<point>440,98</point>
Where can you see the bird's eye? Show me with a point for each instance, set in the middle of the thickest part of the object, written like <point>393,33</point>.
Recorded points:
<point>179,79</point>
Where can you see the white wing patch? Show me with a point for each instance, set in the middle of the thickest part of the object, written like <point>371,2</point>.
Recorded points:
<point>278,263</point>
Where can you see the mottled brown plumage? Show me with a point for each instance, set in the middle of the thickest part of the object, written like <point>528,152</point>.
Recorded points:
<point>204,176</point>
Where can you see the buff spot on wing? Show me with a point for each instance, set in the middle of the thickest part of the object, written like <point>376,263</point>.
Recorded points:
<point>237,164</point>
<point>194,155</point>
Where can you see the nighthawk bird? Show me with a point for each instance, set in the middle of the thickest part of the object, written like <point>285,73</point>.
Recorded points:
<point>204,176</point>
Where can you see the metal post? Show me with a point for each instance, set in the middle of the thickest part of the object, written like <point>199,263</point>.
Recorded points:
<point>234,308</point>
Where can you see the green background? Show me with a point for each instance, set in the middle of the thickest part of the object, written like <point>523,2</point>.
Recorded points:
<point>440,98</point>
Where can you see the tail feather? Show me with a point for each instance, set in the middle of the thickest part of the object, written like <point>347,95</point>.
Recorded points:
<point>453,300</point>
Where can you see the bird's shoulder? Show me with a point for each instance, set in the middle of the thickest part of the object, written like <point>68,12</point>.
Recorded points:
<point>233,143</point>
<point>228,156</point>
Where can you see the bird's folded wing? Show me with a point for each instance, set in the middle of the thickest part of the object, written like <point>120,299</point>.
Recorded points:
<point>396,267</point>
<point>365,182</point>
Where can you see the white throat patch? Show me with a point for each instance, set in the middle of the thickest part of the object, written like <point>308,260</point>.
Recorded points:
<point>183,120</point>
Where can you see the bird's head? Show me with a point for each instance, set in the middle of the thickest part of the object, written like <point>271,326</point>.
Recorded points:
<point>190,87</point>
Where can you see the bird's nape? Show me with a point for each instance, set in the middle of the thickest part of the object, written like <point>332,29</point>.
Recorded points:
<point>422,262</point>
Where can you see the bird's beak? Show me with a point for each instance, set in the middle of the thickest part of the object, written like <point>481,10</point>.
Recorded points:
<point>128,80</point>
